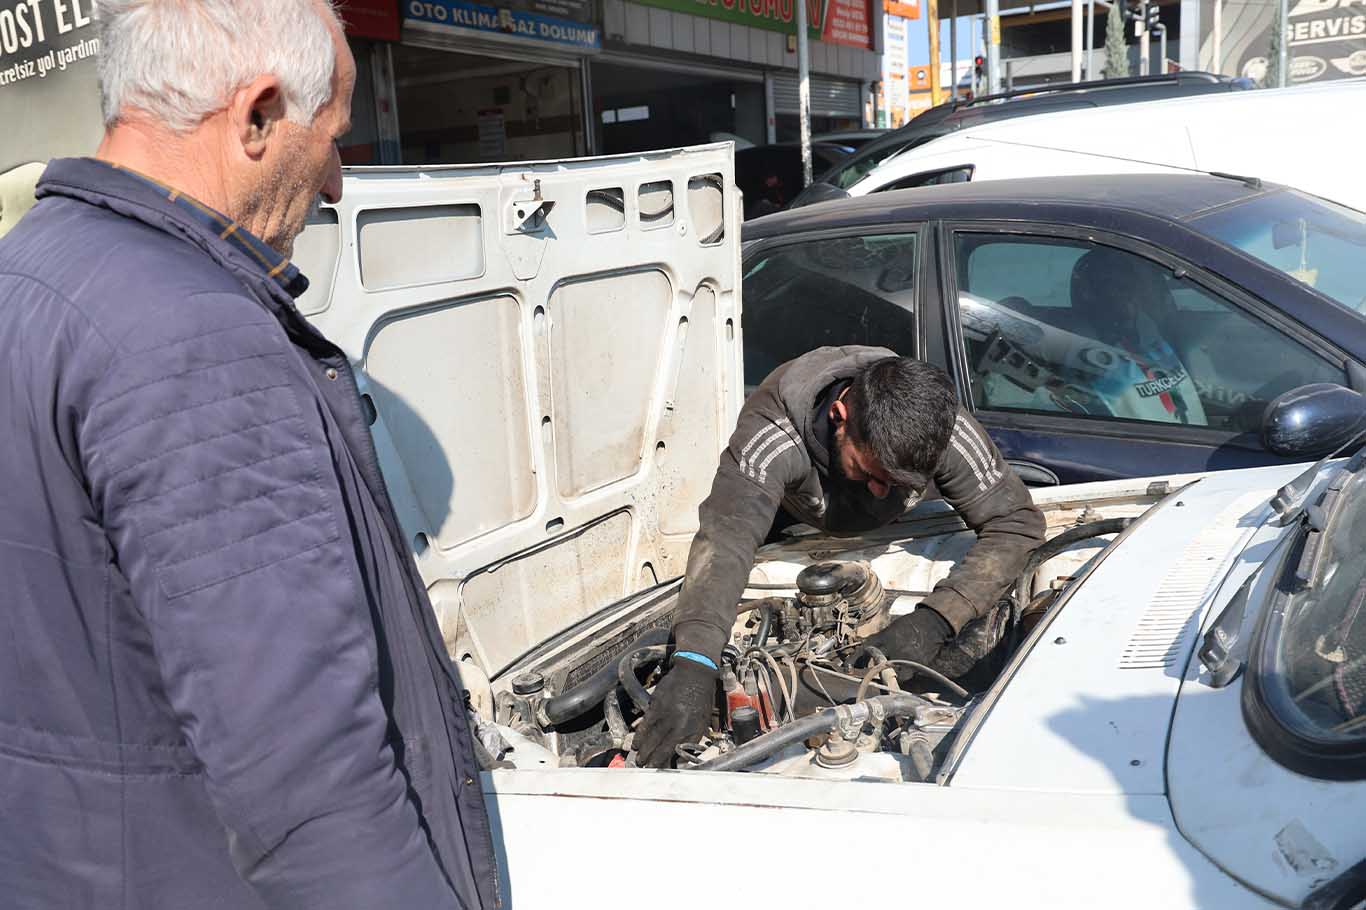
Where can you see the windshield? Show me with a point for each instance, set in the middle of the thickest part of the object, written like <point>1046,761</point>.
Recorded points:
<point>1313,241</point>
<point>854,170</point>
<point>1311,666</point>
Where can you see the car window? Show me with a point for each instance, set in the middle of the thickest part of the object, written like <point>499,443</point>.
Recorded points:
<point>1068,326</point>
<point>833,291</point>
<point>1313,241</point>
<point>931,178</point>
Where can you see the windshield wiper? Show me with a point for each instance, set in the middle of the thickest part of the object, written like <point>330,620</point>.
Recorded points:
<point>1289,499</point>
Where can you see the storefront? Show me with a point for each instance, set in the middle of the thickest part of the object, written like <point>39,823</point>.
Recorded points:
<point>691,70</point>
<point>451,81</point>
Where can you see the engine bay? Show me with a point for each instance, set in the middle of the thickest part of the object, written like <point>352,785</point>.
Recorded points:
<point>798,694</point>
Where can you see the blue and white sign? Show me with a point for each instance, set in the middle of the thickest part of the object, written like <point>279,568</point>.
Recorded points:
<point>529,19</point>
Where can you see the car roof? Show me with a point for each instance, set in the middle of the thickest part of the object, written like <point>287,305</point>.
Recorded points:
<point>1083,199</point>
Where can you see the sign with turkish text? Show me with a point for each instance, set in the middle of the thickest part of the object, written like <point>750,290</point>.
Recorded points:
<point>848,22</point>
<point>49,90</point>
<point>1325,39</point>
<point>567,23</point>
<point>895,81</point>
<point>907,10</point>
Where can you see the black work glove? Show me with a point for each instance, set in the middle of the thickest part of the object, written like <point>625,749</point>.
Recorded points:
<point>678,713</point>
<point>917,636</point>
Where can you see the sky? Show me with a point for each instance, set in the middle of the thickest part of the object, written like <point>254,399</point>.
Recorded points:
<point>918,38</point>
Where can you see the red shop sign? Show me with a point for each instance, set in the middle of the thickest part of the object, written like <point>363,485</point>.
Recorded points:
<point>371,19</point>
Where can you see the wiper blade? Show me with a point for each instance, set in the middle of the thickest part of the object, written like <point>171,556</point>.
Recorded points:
<point>1289,499</point>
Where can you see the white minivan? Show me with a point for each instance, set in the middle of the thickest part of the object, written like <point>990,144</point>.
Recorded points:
<point>1307,137</point>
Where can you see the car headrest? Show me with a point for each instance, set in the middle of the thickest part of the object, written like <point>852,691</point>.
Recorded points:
<point>16,193</point>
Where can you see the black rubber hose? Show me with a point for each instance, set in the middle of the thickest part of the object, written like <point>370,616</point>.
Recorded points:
<point>626,673</point>
<point>1050,548</point>
<point>588,694</point>
<point>765,625</point>
<point>898,704</point>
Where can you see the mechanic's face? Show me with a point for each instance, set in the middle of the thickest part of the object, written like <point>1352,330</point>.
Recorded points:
<point>854,461</point>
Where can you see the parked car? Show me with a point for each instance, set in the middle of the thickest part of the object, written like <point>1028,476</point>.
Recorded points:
<point>551,357</point>
<point>1100,327</point>
<point>770,176</point>
<point>948,118</point>
<point>1283,135</point>
<point>854,139</point>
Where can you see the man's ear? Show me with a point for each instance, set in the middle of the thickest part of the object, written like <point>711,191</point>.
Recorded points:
<point>256,111</point>
<point>839,411</point>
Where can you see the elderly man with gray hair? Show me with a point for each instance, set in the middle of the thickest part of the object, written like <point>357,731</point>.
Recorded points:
<point>221,680</point>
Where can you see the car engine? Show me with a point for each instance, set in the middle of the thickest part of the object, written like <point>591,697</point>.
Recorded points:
<point>798,692</point>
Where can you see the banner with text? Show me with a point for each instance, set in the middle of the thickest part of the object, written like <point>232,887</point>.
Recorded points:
<point>847,22</point>
<point>1326,39</point>
<point>49,90</point>
<point>566,23</point>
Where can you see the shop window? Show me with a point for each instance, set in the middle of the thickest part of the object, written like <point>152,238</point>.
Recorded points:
<point>706,208</point>
<point>605,210</point>
<point>419,245</point>
<point>655,202</point>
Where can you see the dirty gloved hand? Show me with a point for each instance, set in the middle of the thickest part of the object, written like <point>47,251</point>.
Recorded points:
<point>917,636</point>
<point>678,713</point>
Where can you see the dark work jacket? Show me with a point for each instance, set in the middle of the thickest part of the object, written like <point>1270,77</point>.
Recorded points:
<point>221,682</point>
<point>778,456</point>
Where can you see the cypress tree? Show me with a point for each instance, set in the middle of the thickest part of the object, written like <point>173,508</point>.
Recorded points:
<point>1116,53</point>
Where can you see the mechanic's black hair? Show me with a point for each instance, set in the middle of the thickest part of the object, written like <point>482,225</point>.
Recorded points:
<point>902,411</point>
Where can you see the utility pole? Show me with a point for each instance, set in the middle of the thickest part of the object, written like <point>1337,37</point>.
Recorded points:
<point>1143,38</point>
<point>1281,21</point>
<point>1161,46</point>
<point>1217,64</point>
<point>932,21</point>
<point>1077,42</point>
<point>953,50</point>
<point>993,42</point>
<point>1090,40</point>
<point>804,92</point>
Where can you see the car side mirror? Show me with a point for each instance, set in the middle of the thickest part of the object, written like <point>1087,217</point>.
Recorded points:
<point>1313,420</point>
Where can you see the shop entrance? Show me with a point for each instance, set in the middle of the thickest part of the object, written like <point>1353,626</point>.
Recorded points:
<point>636,109</point>
<point>457,108</point>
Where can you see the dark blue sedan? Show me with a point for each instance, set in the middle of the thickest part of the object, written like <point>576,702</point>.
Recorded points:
<point>1099,327</point>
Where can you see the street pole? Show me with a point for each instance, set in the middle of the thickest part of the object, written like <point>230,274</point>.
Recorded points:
<point>1161,46</point>
<point>1090,40</point>
<point>1283,74</point>
<point>1143,38</point>
<point>953,49</point>
<point>1217,64</point>
<point>1077,41</point>
<point>804,92</point>
<point>932,22</point>
<point>993,47</point>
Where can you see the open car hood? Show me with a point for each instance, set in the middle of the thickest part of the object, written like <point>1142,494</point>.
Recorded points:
<point>553,355</point>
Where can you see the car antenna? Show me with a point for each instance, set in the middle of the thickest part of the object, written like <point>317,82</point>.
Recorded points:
<point>1254,183</point>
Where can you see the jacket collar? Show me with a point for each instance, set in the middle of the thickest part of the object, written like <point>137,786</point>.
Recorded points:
<point>138,196</point>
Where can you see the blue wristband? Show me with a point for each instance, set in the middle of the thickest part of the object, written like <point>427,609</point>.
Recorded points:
<point>693,656</point>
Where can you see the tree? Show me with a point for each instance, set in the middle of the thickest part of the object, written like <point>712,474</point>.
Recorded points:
<point>1272,79</point>
<point>1116,53</point>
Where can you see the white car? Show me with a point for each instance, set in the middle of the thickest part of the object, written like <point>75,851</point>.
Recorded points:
<point>1305,137</point>
<point>551,353</point>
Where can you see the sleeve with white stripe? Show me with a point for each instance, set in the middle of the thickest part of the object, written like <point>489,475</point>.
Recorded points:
<point>974,478</point>
<point>764,458</point>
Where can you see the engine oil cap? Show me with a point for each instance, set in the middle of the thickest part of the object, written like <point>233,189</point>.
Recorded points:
<point>528,683</point>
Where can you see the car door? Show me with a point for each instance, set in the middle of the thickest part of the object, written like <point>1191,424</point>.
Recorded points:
<point>1091,356</point>
<point>831,287</point>
<point>550,355</point>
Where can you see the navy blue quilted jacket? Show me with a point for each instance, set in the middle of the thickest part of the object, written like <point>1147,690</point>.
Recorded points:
<point>221,681</point>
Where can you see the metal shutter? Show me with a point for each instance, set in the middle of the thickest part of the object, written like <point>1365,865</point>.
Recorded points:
<point>830,97</point>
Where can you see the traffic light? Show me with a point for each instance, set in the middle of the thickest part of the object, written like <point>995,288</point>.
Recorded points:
<point>977,63</point>
<point>1153,17</point>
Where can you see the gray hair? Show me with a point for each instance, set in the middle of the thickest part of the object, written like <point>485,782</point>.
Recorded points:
<point>181,60</point>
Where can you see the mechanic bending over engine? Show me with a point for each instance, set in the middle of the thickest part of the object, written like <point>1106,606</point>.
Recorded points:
<point>845,439</point>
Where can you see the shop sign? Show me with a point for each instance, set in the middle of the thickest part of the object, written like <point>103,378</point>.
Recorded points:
<point>47,65</point>
<point>567,23</point>
<point>1326,39</point>
<point>906,10</point>
<point>848,22</point>
<point>895,81</point>
<point>376,19</point>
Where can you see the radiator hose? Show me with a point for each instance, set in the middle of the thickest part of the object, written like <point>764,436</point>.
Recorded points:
<point>588,694</point>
